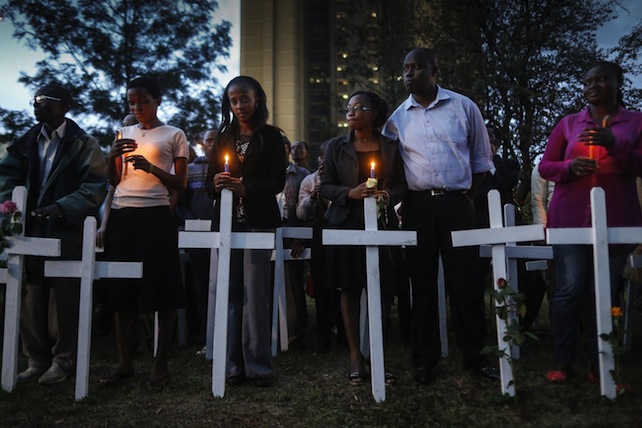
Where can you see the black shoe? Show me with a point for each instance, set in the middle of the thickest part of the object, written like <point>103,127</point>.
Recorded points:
<point>488,372</point>
<point>234,380</point>
<point>263,381</point>
<point>423,375</point>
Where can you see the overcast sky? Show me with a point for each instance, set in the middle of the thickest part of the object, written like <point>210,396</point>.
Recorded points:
<point>16,57</point>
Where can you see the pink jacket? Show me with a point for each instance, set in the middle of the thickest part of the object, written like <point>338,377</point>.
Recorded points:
<point>618,169</point>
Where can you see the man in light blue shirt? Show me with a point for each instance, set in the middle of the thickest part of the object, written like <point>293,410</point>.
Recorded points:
<point>446,152</point>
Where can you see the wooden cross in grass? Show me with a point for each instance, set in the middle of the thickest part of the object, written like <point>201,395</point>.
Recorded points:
<point>498,236</point>
<point>225,240</point>
<point>88,270</point>
<point>280,256</point>
<point>19,246</point>
<point>600,237</point>
<point>372,239</point>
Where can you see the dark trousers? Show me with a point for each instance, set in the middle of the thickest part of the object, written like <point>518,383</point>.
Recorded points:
<point>434,218</point>
<point>575,285</point>
<point>49,322</point>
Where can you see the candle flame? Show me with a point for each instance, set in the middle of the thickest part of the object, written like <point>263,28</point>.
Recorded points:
<point>226,158</point>
<point>118,135</point>
<point>372,165</point>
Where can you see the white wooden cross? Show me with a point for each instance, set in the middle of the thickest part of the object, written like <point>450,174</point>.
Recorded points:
<point>498,236</point>
<point>514,252</point>
<point>599,236</point>
<point>280,255</point>
<point>20,246</point>
<point>635,261</point>
<point>88,270</point>
<point>225,240</point>
<point>372,238</point>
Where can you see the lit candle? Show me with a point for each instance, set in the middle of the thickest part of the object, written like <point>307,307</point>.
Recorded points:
<point>227,164</point>
<point>372,170</point>
<point>119,135</point>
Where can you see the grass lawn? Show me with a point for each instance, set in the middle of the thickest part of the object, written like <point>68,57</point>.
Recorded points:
<point>312,391</point>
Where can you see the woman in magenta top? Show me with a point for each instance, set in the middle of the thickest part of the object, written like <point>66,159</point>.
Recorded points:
<point>598,147</point>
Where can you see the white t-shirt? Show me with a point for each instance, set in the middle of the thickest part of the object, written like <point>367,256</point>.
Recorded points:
<point>160,146</point>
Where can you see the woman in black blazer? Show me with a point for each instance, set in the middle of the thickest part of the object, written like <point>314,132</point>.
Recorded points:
<point>255,174</point>
<point>347,166</point>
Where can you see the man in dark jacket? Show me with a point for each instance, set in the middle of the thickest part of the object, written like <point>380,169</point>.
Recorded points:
<point>64,172</point>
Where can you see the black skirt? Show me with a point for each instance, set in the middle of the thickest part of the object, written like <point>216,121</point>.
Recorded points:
<point>147,235</point>
<point>345,265</point>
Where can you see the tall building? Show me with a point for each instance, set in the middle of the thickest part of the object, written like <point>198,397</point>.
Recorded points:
<point>290,46</point>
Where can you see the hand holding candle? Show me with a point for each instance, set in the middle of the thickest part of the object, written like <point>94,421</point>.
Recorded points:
<point>126,145</point>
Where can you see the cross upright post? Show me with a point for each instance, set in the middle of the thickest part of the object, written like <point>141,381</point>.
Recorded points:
<point>280,256</point>
<point>498,237</point>
<point>88,270</point>
<point>19,246</point>
<point>372,239</point>
<point>600,236</point>
<point>225,240</point>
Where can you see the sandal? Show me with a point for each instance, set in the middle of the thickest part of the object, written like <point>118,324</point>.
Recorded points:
<point>159,384</point>
<point>390,378</point>
<point>355,379</point>
<point>557,376</point>
<point>114,376</point>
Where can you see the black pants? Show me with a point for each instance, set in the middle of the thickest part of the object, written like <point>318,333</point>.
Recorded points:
<point>434,218</point>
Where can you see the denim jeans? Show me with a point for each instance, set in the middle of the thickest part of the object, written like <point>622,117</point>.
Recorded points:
<point>575,286</point>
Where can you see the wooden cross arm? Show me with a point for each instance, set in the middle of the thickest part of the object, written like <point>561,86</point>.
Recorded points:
<point>255,240</point>
<point>198,225</point>
<point>584,235</point>
<point>287,256</point>
<point>297,232</point>
<point>499,235</point>
<point>73,269</point>
<point>369,237</point>
<point>521,251</point>
<point>25,245</point>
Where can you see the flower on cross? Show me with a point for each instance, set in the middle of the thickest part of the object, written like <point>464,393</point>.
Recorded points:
<point>14,224</point>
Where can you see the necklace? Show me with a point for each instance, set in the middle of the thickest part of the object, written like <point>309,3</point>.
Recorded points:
<point>145,130</point>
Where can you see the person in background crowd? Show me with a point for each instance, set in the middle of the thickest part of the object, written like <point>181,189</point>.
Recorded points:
<point>64,172</point>
<point>294,269</point>
<point>311,210</point>
<point>197,204</point>
<point>300,151</point>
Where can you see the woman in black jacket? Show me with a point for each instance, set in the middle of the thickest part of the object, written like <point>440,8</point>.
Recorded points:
<point>248,158</point>
<point>347,165</point>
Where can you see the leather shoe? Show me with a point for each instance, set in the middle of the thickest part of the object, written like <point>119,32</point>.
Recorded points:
<point>489,372</point>
<point>236,379</point>
<point>263,381</point>
<point>31,374</point>
<point>423,375</point>
<point>55,374</point>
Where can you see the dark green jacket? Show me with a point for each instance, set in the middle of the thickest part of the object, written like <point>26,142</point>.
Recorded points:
<point>77,183</point>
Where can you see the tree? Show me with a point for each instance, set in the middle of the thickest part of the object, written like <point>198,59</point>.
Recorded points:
<point>522,61</point>
<point>95,47</point>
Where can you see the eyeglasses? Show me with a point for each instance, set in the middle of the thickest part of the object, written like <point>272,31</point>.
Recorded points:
<point>39,99</point>
<point>358,108</point>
